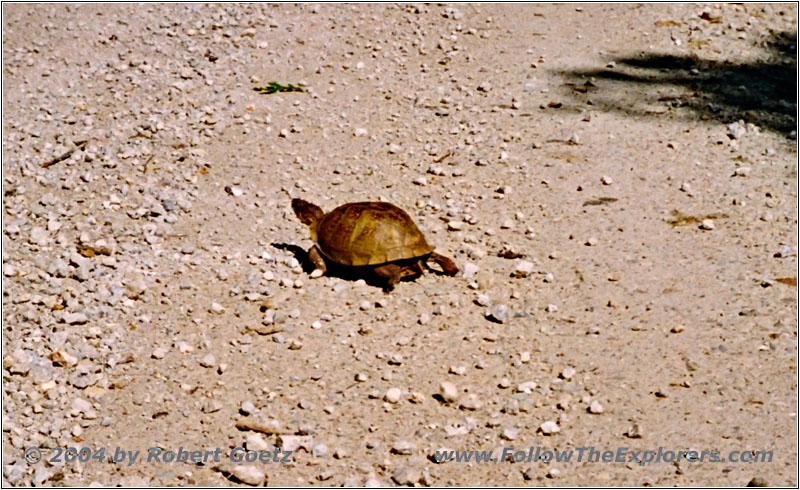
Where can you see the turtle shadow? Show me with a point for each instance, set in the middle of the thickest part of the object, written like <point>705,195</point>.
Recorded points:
<point>334,270</point>
<point>299,253</point>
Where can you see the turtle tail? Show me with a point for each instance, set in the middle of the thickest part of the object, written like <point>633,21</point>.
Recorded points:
<point>309,214</point>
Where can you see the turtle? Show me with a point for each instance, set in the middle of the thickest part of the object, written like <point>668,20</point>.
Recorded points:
<point>375,238</point>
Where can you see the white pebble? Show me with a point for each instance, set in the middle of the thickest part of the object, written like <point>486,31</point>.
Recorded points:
<point>596,407</point>
<point>707,224</point>
<point>469,269</point>
<point>319,450</point>
<point>448,391</point>
<point>255,442</point>
<point>524,269</point>
<point>741,172</point>
<point>392,395</point>
<point>208,361</point>
<point>249,474</point>
<point>550,427</point>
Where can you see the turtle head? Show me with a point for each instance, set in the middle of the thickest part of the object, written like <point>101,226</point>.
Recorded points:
<point>308,214</point>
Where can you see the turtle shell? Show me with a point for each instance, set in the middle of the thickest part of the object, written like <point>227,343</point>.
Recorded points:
<point>370,233</point>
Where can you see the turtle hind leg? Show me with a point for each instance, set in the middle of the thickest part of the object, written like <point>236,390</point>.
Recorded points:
<point>448,266</point>
<point>316,258</point>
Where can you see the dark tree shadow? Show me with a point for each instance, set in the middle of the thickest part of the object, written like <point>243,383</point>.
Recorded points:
<point>763,93</point>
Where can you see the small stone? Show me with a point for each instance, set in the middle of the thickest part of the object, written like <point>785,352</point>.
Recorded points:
<point>553,473</point>
<point>504,383</point>
<point>249,474</point>
<point>316,273</point>
<point>393,395</point>
<point>293,443</point>
<point>525,357</point>
<point>483,300</point>
<point>159,353</point>
<point>524,269</point>
<point>63,358</point>
<point>568,372</point>
<point>403,448</point>
<point>448,391</point>
<point>527,387</point>
<point>530,473</point>
<point>736,130</point>
<point>212,406</point>
<point>406,476</point>
<point>507,224</point>
<point>80,405</point>
<point>591,242</point>
<point>234,191</point>
<point>596,407</point>
<point>634,432</point>
<point>360,132</point>
<point>469,269</point>
<point>758,481</point>
<point>248,408</point>
<point>707,224</point>
<point>256,442</point>
<point>551,308</point>
<point>509,433</point>
<point>217,308</point>
<point>550,427</point>
<point>455,225</point>
<point>497,313</point>
<point>75,318</point>
<point>319,450</point>
<point>606,180</point>
<point>208,361</point>
<point>458,370</point>
<point>741,172</point>
<point>471,403</point>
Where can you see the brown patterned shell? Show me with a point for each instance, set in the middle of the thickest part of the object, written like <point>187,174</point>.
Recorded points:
<point>370,233</point>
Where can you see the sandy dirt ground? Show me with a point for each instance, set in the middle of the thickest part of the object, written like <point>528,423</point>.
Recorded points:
<point>616,182</point>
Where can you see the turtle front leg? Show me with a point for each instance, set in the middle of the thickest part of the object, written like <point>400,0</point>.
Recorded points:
<point>448,266</point>
<point>315,257</point>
